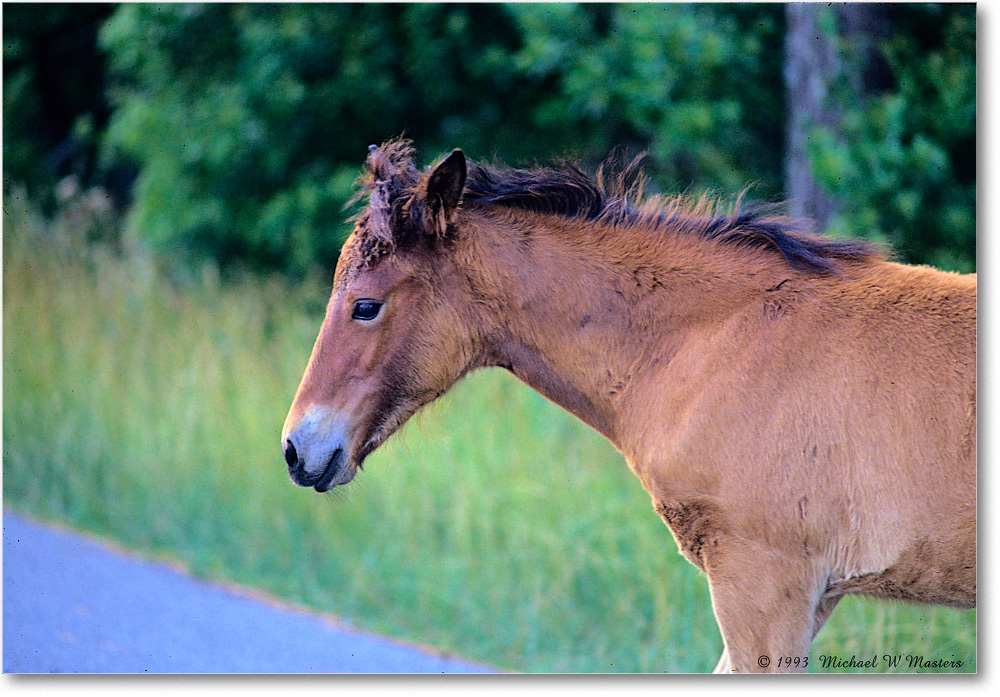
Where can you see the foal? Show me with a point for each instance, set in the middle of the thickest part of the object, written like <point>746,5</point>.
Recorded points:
<point>802,412</point>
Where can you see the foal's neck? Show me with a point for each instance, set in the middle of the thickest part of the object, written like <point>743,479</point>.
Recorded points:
<point>580,311</point>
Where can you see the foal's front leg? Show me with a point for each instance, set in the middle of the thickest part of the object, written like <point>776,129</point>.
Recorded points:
<point>723,665</point>
<point>823,611</point>
<point>767,604</point>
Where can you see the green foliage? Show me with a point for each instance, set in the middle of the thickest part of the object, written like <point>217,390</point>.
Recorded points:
<point>902,165</point>
<point>698,86</point>
<point>52,78</point>
<point>251,121</point>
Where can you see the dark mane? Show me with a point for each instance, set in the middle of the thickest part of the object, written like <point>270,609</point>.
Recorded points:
<point>617,200</point>
<point>613,199</point>
<point>566,192</point>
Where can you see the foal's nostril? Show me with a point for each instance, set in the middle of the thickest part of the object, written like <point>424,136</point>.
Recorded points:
<point>291,457</point>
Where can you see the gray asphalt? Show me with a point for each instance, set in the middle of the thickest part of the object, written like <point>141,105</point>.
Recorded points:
<point>73,605</point>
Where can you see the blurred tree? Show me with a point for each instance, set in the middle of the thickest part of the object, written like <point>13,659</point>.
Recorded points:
<point>888,150</point>
<point>251,121</point>
<point>812,65</point>
<point>699,86</point>
<point>53,94</point>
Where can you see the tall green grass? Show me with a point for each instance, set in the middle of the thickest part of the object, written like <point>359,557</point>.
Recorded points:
<point>495,526</point>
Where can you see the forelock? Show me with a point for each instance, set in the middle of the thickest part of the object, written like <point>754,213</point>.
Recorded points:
<point>390,161</point>
<point>389,175</point>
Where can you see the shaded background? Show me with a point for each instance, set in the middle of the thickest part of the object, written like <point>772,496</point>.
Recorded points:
<point>236,131</point>
<point>174,187</point>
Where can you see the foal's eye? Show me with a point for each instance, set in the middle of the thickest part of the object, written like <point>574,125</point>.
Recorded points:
<point>366,309</point>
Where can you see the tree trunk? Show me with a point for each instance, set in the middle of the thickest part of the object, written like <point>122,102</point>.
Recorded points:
<point>811,65</point>
<point>825,44</point>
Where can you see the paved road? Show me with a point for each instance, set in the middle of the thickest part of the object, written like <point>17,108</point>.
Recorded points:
<point>72,605</point>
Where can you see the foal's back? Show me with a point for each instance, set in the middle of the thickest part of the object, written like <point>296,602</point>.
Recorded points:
<point>918,484</point>
<point>887,363</point>
<point>836,418</point>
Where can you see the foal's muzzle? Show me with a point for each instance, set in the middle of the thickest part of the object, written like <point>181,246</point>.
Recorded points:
<point>316,451</point>
<point>321,479</point>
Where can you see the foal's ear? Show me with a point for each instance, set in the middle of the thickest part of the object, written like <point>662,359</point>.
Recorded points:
<point>444,190</point>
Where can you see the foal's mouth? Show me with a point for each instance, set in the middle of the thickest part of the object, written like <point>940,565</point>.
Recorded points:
<point>335,473</point>
<point>332,471</point>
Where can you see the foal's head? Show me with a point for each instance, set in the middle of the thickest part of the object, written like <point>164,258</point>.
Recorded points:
<point>394,337</point>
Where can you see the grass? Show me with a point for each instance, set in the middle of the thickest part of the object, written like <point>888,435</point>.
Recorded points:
<point>146,408</point>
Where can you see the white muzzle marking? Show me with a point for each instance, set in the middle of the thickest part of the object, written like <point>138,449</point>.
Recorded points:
<point>315,441</point>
